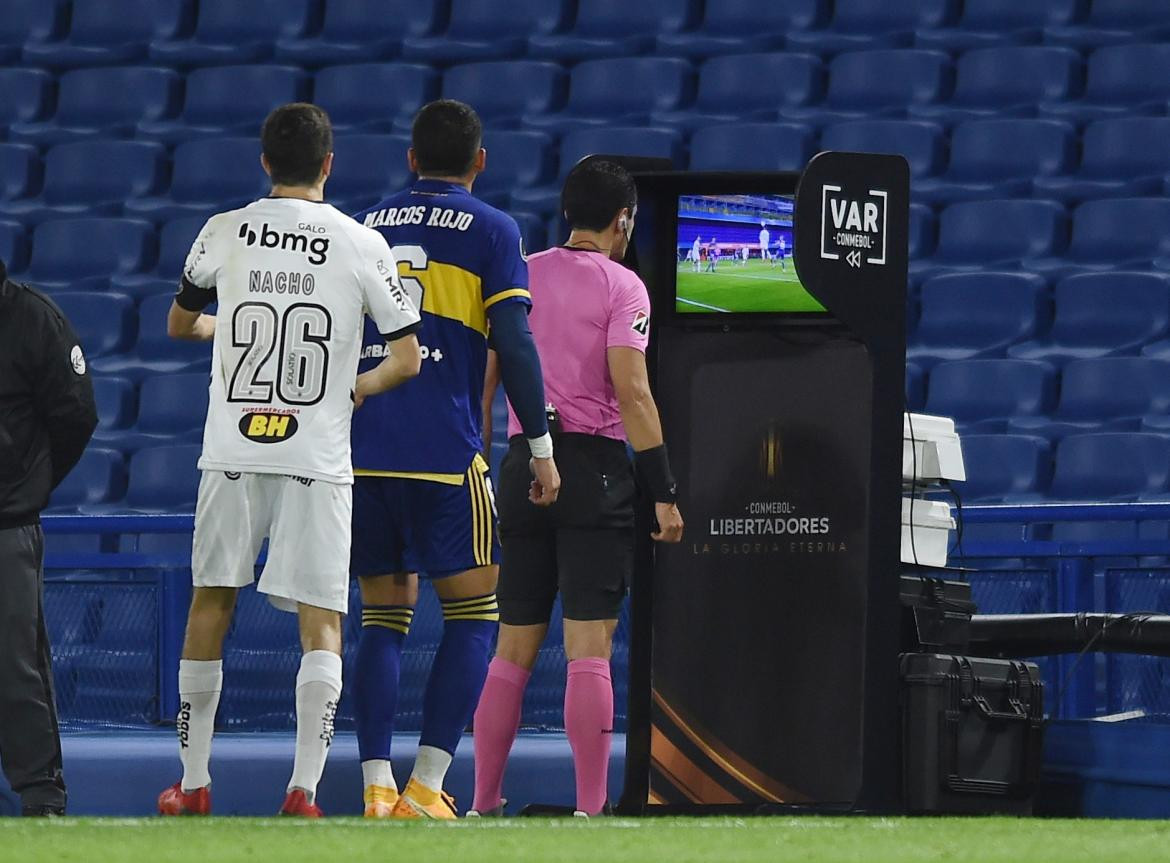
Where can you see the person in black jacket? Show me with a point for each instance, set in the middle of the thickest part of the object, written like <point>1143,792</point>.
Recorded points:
<point>47,416</point>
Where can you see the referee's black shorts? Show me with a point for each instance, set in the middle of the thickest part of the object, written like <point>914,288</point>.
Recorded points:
<point>582,545</point>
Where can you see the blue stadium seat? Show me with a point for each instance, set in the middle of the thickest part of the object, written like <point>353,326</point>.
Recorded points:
<point>752,147</point>
<point>101,32</point>
<point>991,23</point>
<point>173,406</point>
<point>504,91</point>
<point>105,322</point>
<point>738,26</point>
<point>1105,394</point>
<point>28,21</point>
<point>1000,159</point>
<point>1110,466</point>
<point>92,178</point>
<point>967,315</point>
<point>859,25</point>
<point>923,231</point>
<point>545,200</point>
<point>1114,22</point>
<point>24,95</point>
<point>533,231</point>
<point>515,160</point>
<point>20,171</point>
<point>878,83</point>
<point>164,478</point>
<point>82,254</point>
<point>366,169</point>
<point>361,31</point>
<point>117,403</point>
<point>785,79</point>
<point>615,28</point>
<point>229,32</point>
<point>105,103</point>
<point>980,395</point>
<point>99,477</point>
<point>228,100</point>
<point>1121,80</point>
<point>621,91</point>
<point>488,30</point>
<point>1000,233</point>
<point>372,97</point>
<point>1003,467</point>
<point>208,174</point>
<point>1101,314</point>
<point>174,242</point>
<point>155,353</point>
<point>1006,81</point>
<point>13,246</point>
<point>1123,157</point>
<point>915,387</point>
<point>922,144</point>
<point>1112,234</point>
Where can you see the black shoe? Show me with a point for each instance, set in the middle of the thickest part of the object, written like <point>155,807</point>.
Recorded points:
<point>42,810</point>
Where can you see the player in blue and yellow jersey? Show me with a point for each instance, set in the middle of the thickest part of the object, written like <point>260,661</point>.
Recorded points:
<point>423,500</point>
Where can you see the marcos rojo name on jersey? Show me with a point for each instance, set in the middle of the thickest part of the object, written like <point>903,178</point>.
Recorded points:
<point>268,427</point>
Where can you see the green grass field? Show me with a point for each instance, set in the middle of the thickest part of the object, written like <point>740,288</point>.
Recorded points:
<point>735,288</point>
<point>676,840</point>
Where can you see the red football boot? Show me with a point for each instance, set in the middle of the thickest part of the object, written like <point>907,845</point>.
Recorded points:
<point>297,803</point>
<point>176,801</point>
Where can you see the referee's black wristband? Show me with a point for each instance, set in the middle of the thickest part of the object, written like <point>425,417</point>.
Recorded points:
<point>654,468</point>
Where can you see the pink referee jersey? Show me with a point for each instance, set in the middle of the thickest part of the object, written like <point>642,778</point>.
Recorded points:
<point>582,304</point>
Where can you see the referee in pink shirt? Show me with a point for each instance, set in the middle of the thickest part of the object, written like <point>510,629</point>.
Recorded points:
<point>591,321</point>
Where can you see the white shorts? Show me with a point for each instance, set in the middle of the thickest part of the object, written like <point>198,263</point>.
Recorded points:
<point>308,526</point>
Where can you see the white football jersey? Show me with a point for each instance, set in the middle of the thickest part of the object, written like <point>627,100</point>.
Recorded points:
<point>293,279</point>
<point>764,237</point>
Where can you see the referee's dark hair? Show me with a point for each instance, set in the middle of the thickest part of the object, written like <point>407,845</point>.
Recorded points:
<point>446,137</point>
<point>595,192</point>
<point>295,140</point>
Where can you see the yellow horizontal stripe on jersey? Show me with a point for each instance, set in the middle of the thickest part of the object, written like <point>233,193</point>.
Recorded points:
<point>506,295</point>
<point>451,292</point>
<point>445,478</point>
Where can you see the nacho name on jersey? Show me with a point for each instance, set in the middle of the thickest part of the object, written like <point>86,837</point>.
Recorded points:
<point>432,217</point>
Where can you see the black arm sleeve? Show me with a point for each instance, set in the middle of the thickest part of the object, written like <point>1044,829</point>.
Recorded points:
<point>519,365</point>
<point>63,394</point>
<point>193,298</point>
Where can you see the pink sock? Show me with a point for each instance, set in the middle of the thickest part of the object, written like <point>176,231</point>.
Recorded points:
<point>589,724</point>
<point>497,720</point>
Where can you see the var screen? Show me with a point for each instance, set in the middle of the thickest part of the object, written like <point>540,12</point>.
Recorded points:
<point>734,255</point>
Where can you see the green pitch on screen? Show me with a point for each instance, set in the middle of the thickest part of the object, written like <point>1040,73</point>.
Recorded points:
<point>757,287</point>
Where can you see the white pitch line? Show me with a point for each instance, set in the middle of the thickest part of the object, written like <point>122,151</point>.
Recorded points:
<point>703,305</point>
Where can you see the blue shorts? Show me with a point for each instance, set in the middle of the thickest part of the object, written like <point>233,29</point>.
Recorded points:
<point>415,525</point>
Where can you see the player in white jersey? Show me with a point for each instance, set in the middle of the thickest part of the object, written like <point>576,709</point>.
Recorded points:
<point>765,237</point>
<point>782,252</point>
<point>695,253</point>
<point>743,255</point>
<point>293,278</point>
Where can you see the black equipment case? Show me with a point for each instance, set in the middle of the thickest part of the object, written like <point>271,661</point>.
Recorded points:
<point>972,733</point>
<point>936,614</point>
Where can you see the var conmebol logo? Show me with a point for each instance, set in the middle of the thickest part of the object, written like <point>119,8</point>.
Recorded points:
<point>315,250</point>
<point>853,227</point>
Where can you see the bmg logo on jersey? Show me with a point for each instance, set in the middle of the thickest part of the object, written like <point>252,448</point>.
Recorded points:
<point>266,427</point>
<point>853,227</point>
<point>315,249</point>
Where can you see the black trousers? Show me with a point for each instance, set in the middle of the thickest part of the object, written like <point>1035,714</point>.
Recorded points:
<point>30,745</point>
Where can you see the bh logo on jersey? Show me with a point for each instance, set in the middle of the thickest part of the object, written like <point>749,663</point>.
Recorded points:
<point>853,227</point>
<point>315,249</point>
<point>263,427</point>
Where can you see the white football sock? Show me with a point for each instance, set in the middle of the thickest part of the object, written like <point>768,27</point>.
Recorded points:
<point>430,767</point>
<point>200,682</point>
<point>378,772</point>
<point>318,691</point>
